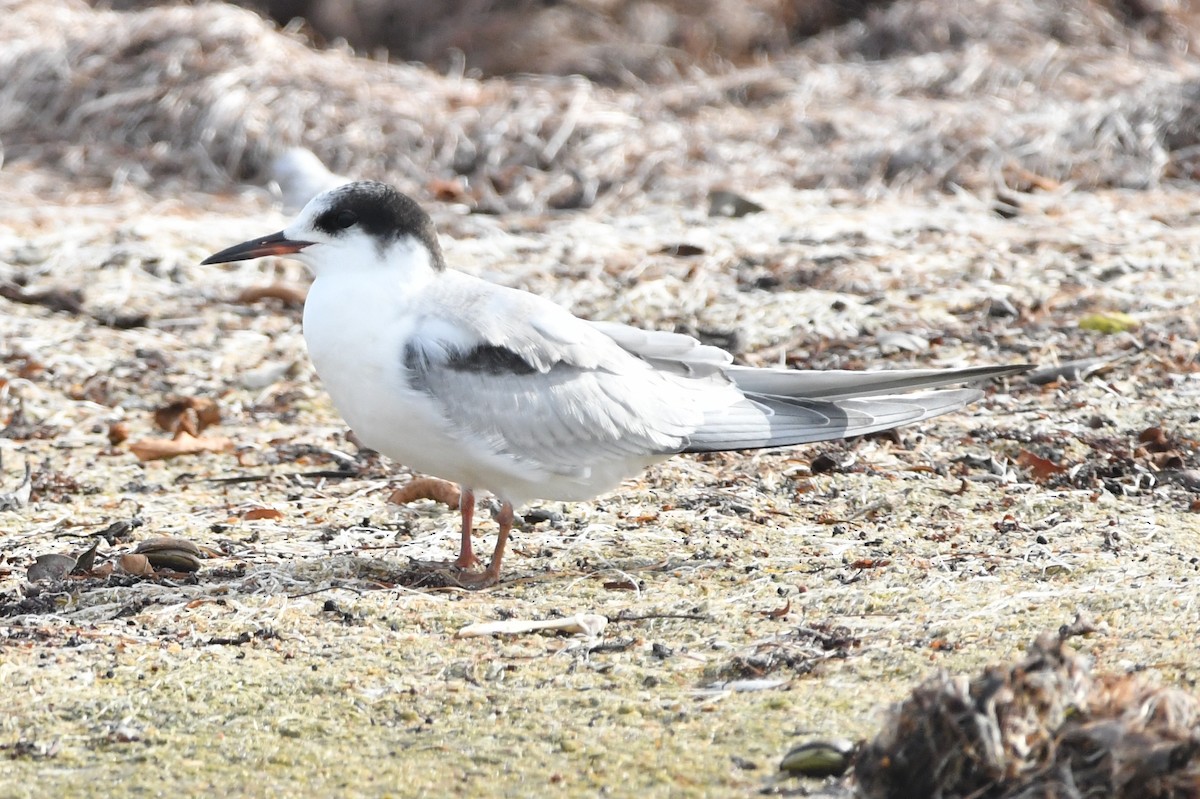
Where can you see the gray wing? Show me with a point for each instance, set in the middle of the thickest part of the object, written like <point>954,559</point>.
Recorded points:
<point>531,381</point>
<point>552,390</point>
<point>563,418</point>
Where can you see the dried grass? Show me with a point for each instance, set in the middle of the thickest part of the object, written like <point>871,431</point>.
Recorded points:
<point>984,96</point>
<point>1044,726</point>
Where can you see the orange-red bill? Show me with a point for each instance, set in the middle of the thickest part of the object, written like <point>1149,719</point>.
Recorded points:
<point>275,244</point>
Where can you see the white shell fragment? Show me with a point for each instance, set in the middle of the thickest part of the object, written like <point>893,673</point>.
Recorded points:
<point>586,624</point>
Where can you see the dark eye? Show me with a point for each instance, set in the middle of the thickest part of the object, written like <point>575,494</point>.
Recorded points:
<point>345,219</point>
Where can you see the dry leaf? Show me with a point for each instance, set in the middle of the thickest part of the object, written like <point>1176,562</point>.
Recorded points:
<point>138,565</point>
<point>166,543</point>
<point>152,449</point>
<point>87,559</point>
<point>118,432</point>
<point>50,567</point>
<point>1041,468</point>
<point>69,300</point>
<point>263,513</point>
<point>1109,322</point>
<point>289,294</point>
<point>188,415</point>
<point>442,491</point>
<point>1155,439</point>
<point>449,191</point>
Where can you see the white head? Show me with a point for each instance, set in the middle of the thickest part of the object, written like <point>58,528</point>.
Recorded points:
<point>363,225</point>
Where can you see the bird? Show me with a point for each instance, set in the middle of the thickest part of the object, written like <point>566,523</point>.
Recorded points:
<point>300,176</point>
<point>501,390</point>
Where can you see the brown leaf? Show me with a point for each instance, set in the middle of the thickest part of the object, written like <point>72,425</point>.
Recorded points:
<point>1041,468</point>
<point>1155,439</point>
<point>69,300</point>
<point>870,563</point>
<point>263,513</point>
<point>87,559</point>
<point>138,565</point>
<point>188,415</point>
<point>170,552</point>
<point>160,543</point>
<point>1167,460</point>
<point>118,432</point>
<point>682,250</point>
<point>442,491</point>
<point>449,191</point>
<point>779,613</point>
<point>153,449</point>
<point>289,294</point>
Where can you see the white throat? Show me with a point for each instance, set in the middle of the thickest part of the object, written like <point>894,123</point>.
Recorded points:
<point>404,265</point>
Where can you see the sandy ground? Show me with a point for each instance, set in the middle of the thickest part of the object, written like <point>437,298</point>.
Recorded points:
<point>952,203</point>
<point>297,659</point>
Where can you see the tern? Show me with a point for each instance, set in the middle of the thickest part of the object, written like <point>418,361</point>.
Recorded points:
<point>501,390</point>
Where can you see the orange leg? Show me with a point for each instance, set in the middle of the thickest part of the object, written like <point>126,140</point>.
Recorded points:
<point>491,575</point>
<point>466,507</point>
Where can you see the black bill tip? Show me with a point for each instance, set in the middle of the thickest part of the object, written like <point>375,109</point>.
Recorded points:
<point>275,244</point>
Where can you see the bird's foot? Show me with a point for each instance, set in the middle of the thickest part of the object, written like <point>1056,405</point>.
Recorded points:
<point>477,580</point>
<point>463,572</point>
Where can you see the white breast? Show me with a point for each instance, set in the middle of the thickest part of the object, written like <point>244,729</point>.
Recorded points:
<point>355,334</point>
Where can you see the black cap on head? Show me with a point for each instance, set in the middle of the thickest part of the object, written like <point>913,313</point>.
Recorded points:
<point>382,212</point>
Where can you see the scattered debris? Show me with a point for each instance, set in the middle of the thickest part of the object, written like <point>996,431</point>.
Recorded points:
<point>285,292</point>
<point>168,552</point>
<point>438,490</point>
<point>150,449</point>
<point>731,204</point>
<point>1072,371</point>
<point>50,567</point>
<point>188,415</point>
<point>819,759</point>
<point>588,625</point>
<point>1042,469</point>
<point>69,301</point>
<point>18,497</point>
<point>257,514</point>
<point>1031,728</point>
<point>1109,322</point>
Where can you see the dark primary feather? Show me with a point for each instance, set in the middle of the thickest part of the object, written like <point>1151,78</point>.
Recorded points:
<point>835,384</point>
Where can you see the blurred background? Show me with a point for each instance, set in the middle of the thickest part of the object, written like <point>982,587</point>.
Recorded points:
<point>617,40</point>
